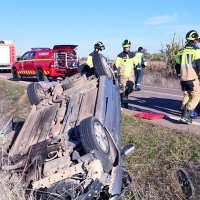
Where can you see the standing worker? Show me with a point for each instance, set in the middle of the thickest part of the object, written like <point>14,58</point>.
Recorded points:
<point>125,63</point>
<point>139,70</point>
<point>188,69</point>
<point>99,46</point>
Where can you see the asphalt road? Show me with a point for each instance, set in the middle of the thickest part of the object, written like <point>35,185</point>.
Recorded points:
<point>151,99</point>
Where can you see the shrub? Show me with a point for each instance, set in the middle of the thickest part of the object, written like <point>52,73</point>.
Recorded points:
<point>169,52</point>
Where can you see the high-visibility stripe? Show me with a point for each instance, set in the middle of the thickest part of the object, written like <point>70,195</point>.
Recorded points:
<point>189,65</point>
<point>32,72</point>
<point>34,60</point>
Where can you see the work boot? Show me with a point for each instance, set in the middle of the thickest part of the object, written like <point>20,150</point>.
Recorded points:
<point>183,110</point>
<point>186,118</point>
<point>124,101</point>
<point>124,105</point>
<point>137,89</point>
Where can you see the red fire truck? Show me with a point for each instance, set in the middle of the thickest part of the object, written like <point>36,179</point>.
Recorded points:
<point>61,61</point>
<point>7,54</point>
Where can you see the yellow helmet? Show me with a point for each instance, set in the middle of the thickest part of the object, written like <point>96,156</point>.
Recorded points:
<point>126,43</point>
<point>191,35</point>
<point>99,45</point>
<point>199,36</point>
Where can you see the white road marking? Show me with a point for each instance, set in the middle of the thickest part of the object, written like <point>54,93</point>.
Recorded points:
<point>24,82</point>
<point>178,119</point>
<point>162,88</point>
<point>163,93</point>
<point>3,77</point>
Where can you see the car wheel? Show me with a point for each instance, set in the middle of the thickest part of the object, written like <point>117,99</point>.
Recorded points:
<point>73,81</point>
<point>15,75</point>
<point>35,93</point>
<point>101,66</point>
<point>94,137</point>
<point>186,183</point>
<point>40,75</point>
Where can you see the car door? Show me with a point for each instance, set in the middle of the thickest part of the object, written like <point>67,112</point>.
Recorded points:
<point>23,62</point>
<point>29,64</point>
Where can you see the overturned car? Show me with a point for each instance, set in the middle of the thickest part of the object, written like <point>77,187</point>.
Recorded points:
<point>70,144</point>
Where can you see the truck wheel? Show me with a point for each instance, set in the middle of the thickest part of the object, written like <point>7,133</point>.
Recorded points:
<point>15,75</point>
<point>40,75</point>
<point>95,137</point>
<point>35,93</point>
<point>101,66</point>
<point>73,81</point>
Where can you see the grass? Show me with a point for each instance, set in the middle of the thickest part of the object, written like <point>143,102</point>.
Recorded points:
<point>156,74</point>
<point>157,79</point>
<point>11,187</point>
<point>159,152</point>
<point>14,102</point>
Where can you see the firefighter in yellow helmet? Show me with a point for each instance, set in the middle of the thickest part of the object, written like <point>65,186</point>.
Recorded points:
<point>125,63</point>
<point>188,69</point>
<point>99,46</point>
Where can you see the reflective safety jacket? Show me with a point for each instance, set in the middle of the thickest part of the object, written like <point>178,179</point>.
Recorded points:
<point>89,61</point>
<point>125,63</point>
<point>141,59</point>
<point>188,62</point>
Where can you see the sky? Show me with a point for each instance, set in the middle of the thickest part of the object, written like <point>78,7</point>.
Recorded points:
<point>147,23</point>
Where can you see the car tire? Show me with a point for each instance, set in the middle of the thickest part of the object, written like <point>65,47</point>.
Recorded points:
<point>35,93</point>
<point>73,81</point>
<point>40,75</point>
<point>101,66</point>
<point>15,75</point>
<point>185,183</point>
<point>95,137</point>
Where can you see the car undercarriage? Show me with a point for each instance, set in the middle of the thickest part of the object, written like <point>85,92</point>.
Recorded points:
<point>69,147</point>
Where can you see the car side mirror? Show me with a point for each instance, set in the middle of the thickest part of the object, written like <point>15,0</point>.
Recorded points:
<point>18,59</point>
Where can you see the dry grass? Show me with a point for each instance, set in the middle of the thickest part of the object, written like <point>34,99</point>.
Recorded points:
<point>159,152</point>
<point>156,74</point>
<point>157,66</point>
<point>11,187</point>
<point>158,80</point>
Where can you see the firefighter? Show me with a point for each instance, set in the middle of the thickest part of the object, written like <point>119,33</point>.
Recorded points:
<point>188,69</point>
<point>99,46</point>
<point>124,64</point>
<point>139,69</point>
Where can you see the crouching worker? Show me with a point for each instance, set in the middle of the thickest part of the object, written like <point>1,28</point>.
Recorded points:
<point>188,69</point>
<point>125,63</point>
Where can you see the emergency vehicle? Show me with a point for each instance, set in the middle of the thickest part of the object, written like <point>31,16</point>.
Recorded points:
<point>61,61</point>
<point>7,54</point>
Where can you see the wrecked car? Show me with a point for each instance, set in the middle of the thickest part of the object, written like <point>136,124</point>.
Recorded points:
<point>69,147</point>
